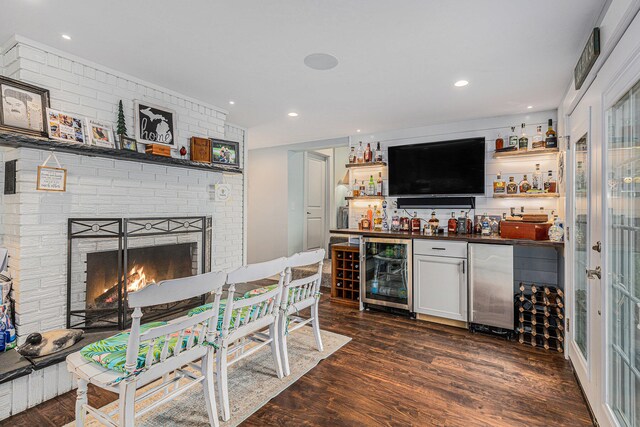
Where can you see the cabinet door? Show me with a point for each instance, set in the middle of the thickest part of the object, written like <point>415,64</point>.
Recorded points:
<point>441,287</point>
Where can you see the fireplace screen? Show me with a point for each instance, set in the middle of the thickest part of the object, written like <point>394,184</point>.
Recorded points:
<point>107,258</point>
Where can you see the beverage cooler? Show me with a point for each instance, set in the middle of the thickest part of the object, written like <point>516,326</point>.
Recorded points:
<point>385,277</point>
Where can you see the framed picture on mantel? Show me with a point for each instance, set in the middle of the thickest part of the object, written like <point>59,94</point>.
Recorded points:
<point>225,152</point>
<point>154,124</point>
<point>23,107</point>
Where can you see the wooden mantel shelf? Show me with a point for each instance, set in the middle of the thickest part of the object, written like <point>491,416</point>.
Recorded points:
<point>15,140</point>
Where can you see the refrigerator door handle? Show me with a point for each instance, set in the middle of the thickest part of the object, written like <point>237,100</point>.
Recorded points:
<point>463,262</point>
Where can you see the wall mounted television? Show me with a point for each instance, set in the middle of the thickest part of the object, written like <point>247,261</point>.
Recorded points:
<point>444,168</point>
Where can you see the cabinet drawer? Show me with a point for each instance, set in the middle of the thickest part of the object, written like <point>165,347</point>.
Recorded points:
<point>440,248</point>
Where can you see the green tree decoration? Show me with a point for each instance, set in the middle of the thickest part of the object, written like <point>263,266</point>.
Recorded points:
<point>121,126</point>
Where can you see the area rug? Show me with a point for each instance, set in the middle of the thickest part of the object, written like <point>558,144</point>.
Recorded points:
<point>252,383</point>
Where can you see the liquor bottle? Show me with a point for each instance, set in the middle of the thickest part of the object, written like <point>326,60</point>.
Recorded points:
<point>363,189</point>
<point>486,228</point>
<point>352,155</point>
<point>524,185</point>
<point>556,232</point>
<point>434,222</point>
<point>415,223</point>
<point>550,185</point>
<point>377,221</point>
<point>512,187</point>
<point>536,181</point>
<point>523,142</point>
<point>370,217</point>
<point>360,154</point>
<point>477,226</point>
<point>379,184</point>
<point>378,157</point>
<point>452,224</point>
<point>372,187</point>
<point>395,222</point>
<point>367,153</point>
<point>499,142</point>
<point>494,224</point>
<point>355,190</point>
<point>499,186</point>
<point>469,223</point>
<point>513,138</point>
<point>537,142</point>
<point>551,140</point>
<point>462,224</point>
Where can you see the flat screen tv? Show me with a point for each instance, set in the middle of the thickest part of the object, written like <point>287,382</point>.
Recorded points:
<point>446,168</point>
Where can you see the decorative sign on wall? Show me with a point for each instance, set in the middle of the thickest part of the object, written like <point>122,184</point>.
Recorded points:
<point>222,192</point>
<point>22,107</point>
<point>587,59</point>
<point>50,178</point>
<point>154,124</point>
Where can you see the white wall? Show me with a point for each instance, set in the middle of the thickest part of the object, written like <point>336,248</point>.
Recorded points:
<point>295,201</point>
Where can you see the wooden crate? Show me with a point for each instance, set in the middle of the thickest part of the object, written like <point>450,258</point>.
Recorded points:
<point>158,150</point>
<point>524,230</point>
<point>345,274</point>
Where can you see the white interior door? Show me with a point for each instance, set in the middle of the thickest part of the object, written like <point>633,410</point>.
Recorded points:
<point>585,292</point>
<point>315,201</point>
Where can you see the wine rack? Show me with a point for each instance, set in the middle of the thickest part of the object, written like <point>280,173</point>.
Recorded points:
<point>539,316</point>
<point>345,277</point>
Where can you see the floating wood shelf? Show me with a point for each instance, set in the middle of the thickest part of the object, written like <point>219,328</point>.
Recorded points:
<point>365,198</point>
<point>15,140</point>
<point>526,195</point>
<point>366,165</point>
<point>517,153</point>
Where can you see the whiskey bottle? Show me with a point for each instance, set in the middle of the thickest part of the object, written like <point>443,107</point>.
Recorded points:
<point>377,221</point>
<point>469,223</point>
<point>462,224</point>
<point>551,140</point>
<point>415,223</point>
<point>395,221</point>
<point>434,223</point>
<point>494,224</point>
<point>512,187</point>
<point>452,224</point>
<point>378,157</point>
<point>513,138</point>
<point>352,155</point>
<point>360,154</point>
<point>499,186</point>
<point>486,227</point>
<point>523,142</point>
<point>536,182</point>
<point>499,142</point>
<point>537,142</point>
<point>379,184</point>
<point>550,185</point>
<point>363,189</point>
<point>367,153</point>
<point>355,190</point>
<point>524,185</point>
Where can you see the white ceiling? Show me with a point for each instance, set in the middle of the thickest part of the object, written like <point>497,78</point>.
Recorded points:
<point>398,59</point>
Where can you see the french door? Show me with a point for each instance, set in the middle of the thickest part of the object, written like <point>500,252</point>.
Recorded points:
<point>622,251</point>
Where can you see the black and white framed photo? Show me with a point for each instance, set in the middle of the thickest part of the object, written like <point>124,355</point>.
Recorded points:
<point>23,107</point>
<point>65,127</point>
<point>225,152</point>
<point>100,134</point>
<point>154,124</point>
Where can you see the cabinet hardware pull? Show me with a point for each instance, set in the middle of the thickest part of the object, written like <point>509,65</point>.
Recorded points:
<point>439,249</point>
<point>463,263</point>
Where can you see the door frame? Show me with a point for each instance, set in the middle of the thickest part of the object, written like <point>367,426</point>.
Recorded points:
<point>327,202</point>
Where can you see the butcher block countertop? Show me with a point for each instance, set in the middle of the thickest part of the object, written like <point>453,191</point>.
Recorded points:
<point>471,238</point>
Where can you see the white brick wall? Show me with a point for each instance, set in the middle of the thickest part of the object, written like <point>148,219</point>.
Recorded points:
<point>33,224</point>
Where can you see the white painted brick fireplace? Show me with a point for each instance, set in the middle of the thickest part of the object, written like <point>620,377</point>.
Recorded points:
<point>33,224</point>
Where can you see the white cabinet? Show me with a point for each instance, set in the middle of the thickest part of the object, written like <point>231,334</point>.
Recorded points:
<point>440,285</point>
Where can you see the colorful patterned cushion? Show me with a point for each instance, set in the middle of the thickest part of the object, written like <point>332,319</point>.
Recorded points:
<point>260,291</point>
<point>111,352</point>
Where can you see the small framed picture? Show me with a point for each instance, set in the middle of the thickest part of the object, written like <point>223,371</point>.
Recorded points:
<point>65,127</point>
<point>127,143</point>
<point>23,107</point>
<point>51,179</point>
<point>154,124</point>
<point>100,134</point>
<point>225,152</point>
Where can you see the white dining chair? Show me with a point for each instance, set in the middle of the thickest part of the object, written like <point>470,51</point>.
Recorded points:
<point>249,324</point>
<point>157,352</point>
<point>298,294</point>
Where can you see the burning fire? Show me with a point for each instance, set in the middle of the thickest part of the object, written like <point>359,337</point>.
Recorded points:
<point>136,280</point>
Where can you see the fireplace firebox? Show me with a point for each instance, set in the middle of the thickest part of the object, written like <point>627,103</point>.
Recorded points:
<point>107,258</point>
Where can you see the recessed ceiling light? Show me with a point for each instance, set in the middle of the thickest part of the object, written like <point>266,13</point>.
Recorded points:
<point>529,107</point>
<point>232,102</point>
<point>66,37</point>
<point>292,114</point>
<point>461,83</point>
<point>321,61</point>
<point>358,130</point>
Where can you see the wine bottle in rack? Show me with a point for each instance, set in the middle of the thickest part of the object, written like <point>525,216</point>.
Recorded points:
<point>559,313</point>
<point>545,333</point>
<point>533,341</point>
<point>521,338</point>
<point>559,302</point>
<point>534,300</point>
<point>546,344</point>
<point>534,289</point>
<point>521,297</point>
<point>522,287</point>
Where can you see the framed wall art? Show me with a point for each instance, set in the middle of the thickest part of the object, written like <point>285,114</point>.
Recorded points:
<point>100,134</point>
<point>65,127</point>
<point>200,149</point>
<point>23,107</point>
<point>127,143</point>
<point>154,124</point>
<point>225,152</point>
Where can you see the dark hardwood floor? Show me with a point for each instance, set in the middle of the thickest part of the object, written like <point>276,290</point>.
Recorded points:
<point>402,372</point>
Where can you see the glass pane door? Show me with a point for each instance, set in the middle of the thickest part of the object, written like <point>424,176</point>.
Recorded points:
<point>386,272</point>
<point>622,249</point>
<point>581,254</point>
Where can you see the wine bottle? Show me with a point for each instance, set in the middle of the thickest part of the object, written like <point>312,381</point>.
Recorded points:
<point>551,140</point>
